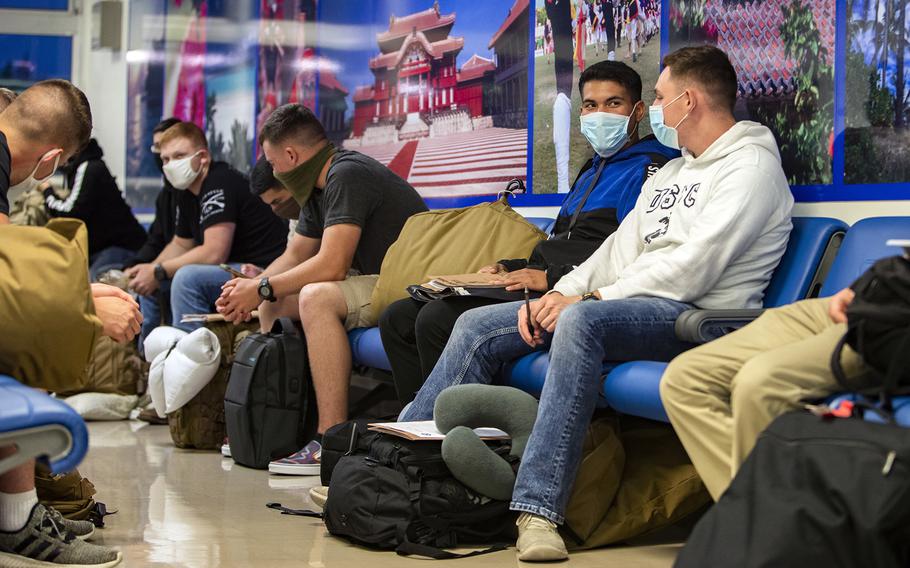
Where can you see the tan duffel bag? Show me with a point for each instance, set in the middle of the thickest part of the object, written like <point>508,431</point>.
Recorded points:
<point>48,324</point>
<point>452,241</point>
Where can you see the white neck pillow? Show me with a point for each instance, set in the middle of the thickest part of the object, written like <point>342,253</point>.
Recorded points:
<point>189,367</point>
<point>156,382</point>
<point>160,340</point>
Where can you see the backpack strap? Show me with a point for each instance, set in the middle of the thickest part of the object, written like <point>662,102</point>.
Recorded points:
<point>584,198</point>
<point>295,512</point>
<point>408,548</point>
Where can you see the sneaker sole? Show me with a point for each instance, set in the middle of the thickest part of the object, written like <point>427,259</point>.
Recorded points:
<point>8,560</point>
<point>226,451</point>
<point>86,536</point>
<point>542,553</point>
<point>318,498</point>
<point>282,469</point>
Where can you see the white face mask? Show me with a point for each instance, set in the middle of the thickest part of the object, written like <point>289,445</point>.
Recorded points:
<point>180,173</point>
<point>30,183</point>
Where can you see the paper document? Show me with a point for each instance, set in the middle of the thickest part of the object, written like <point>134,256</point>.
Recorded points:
<point>210,318</point>
<point>475,280</point>
<point>426,430</point>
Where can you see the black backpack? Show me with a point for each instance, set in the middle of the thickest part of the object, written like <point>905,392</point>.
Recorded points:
<point>390,493</point>
<point>269,405</point>
<point>813,492</point>
<point>878,329</point>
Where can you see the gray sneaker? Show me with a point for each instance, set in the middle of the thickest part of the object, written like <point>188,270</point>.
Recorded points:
<point>82,529</point>
<point>44,542</point>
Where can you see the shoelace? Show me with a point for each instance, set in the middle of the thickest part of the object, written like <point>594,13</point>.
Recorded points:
<point>537,522</point>
<point>55,530</point>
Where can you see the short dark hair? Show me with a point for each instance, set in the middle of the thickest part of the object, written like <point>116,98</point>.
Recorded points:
<point>53,111</point>
<point>165,124</point>
<point>615,71</point>
<point>262,178</point>
<point>709,67</point>
<point>6,97</point>
<point>292,122</point>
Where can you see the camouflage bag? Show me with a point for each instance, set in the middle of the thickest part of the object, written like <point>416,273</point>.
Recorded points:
<point>69,493</point>
<point>199,424</point>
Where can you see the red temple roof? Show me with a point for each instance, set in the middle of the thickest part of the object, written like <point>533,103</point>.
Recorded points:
<point>515,11</point>
<point>328,80</point>
<point>427,20</point>
<point>364,93</point>
<point>475,67</point>
<point>436,50</point>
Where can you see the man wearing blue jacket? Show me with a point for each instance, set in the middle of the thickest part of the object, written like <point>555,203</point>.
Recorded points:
<point>414,333</point>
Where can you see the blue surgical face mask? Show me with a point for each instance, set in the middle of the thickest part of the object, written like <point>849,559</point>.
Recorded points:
<point>666,135</point>
<point>606,132</point>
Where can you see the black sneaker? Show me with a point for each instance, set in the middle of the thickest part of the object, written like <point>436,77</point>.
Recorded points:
<point>44,542</point>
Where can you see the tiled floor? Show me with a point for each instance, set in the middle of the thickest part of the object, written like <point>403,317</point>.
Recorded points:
<point>191,509</point>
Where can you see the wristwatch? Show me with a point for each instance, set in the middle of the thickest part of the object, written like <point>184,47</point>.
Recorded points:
<point>160,273</point>
<point>265,291</point>
<point>589,296</point>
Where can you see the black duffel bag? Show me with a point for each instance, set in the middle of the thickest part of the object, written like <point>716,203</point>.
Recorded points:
<point>878,329</point>
<point>269,406</point>
<point>814,492</point>
<point>389,493</point>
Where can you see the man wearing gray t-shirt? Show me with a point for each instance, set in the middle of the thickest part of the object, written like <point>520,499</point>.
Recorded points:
<point>352,210</point>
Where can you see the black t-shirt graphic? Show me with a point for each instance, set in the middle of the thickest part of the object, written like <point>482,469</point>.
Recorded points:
<point>260,236</point>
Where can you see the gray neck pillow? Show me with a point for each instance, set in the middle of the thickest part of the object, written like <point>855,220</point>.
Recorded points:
<point>460,409</point>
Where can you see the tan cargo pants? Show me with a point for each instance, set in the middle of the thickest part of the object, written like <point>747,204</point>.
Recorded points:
<point>721,395</point>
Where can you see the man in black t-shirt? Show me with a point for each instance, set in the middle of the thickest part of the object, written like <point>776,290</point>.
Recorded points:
<point>352,210</point>
<point>218,221</point>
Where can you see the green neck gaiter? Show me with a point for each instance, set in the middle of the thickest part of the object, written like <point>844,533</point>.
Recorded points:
<point>301,180</point>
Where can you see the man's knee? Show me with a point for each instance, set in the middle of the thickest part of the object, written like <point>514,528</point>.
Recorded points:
<point>751,384</point>
<point>187,277</point>
<point>399,318</point>
<point>435,318</point>
<point>319,299</point>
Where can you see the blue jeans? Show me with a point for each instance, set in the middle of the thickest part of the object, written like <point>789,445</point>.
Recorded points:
<point>108,259</point>
<point>587,334</point>
<point>194,289</point>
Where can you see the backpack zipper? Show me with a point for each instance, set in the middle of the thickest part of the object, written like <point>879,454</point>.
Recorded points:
<point>890,454</point>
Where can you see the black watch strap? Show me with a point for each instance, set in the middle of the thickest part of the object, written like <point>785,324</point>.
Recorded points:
<point>588,296</point>
<point>265,290</point>
<point>160,273</point>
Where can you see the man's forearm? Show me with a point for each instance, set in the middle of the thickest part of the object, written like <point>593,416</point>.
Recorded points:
<point>171,251</point>
<point>316,269</point>
<point>282,264</point>
<point>196,255</point>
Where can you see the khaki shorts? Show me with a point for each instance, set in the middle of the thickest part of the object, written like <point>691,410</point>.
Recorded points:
<point>358,292</point>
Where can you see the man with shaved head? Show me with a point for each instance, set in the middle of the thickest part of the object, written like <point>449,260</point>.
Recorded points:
<point>6,97</point>
<point>49,122</point>
<point>40,129</point>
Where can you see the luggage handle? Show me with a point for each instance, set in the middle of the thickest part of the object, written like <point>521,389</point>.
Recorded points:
<point>285,325</point>
<point>295,512</point>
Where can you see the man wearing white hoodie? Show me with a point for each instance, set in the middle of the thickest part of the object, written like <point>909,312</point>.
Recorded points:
<point>707,231</point>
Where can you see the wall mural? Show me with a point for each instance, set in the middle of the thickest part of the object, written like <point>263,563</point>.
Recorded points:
<point>460,96</point>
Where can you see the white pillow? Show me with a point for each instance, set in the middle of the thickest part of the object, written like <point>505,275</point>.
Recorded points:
<point>161,339</point>
<point>156,383</point>
<point>102,406</point>
<point>189,367</point>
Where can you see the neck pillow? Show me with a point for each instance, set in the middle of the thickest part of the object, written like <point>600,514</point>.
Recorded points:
<point>191,365</point>
<point>460,409</point>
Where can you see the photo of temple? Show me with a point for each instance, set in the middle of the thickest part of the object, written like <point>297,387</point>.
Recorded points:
<point>450,130</point>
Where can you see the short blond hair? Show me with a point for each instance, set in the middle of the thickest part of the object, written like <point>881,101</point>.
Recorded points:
<point>186,130</point>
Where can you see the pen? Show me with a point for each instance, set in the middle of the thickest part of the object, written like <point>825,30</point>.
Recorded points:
<point>528,308</point>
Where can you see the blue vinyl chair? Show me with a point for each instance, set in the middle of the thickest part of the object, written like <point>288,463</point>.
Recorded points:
<point>633,388</point>
<point>40,427</point>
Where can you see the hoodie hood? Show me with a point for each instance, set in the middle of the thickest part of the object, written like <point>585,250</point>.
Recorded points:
<point>92,151</point>
<point>743,133</point>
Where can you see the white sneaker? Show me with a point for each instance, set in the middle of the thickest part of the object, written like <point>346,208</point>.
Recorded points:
<point>538,540</point>
<point>226,449</point>
<point>319,495</point>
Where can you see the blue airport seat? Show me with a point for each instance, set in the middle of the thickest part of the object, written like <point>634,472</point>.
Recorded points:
<point>41,427</point>
<point>632,388</point>
<point>863,244</point>
<point>366,348</point>
<point>545,224</point>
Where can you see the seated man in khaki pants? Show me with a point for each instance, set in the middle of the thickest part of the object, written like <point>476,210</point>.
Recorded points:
<point>721,395</point>
<point>352,210</point>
